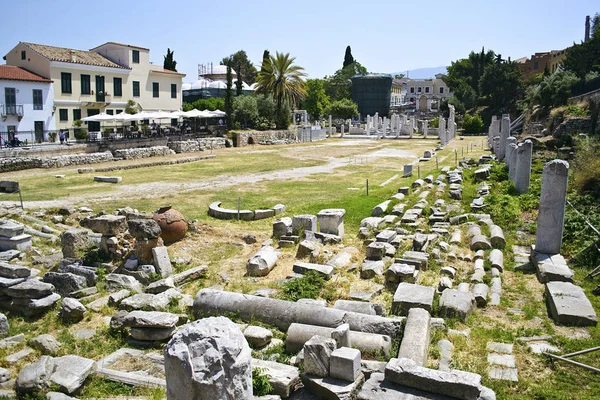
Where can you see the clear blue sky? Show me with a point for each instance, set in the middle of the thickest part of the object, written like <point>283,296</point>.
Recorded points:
<point>385,36</point>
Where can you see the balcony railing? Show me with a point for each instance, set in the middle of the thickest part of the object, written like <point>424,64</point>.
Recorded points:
<point>11,110</point>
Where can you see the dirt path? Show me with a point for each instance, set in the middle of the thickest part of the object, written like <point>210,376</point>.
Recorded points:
<point>154,189</point>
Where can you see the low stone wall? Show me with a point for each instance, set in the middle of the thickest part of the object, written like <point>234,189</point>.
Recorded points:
<point>132,154</point>
<point>189,146</point>
<point>245,138</point>
<point>21,163</point>
<point>146,165</point>
<point>573,126</point>
<point>216,211</point>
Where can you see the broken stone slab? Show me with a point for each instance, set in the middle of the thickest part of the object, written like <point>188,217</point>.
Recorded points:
<point>386,236</point>
<point>257,336</point>
<point>282,227</point>
<point>45,344</point>
<point>281,313</point>
<point>568,305</point>
<point>446,348</point>
<point>496,291</point>
<point>379,388</point>
<point>18,356</point>
<point>162,262</point>
<point>74,242</point>
<point>70,372</point>
<point>208,359</point>
<point>151,334</point>
<point>317,355</point>
<point>160,286</point>
<point>189,275</point>
<point>341,335</point>
<point>548,272</point>
<point>370,268</point>
<point>108,179</point>
<point>445,283</point>
<point>372,343</point>
<point>502,360</point>
<point>115,299</point>
<point>343,258</point>
<point>262,262</point>
<point>398,272</point>
<point>421,258</point>
<point>302,268</point>
<point>331,388</point>
<point>107,225</point>
<point>376,251</point>
<point>65,282</point>
<point>504,374</point>
<point>20,242</point>
<point>307,248</point>
<point>304,222</point>
<point>120,281</point>
<point>34,377</point>
<point>458,384</point>
<point>89,273</point>
<point>409,295</point>
<point>30,289</point>
<point>450,272</point>
<point>71,310</point>
<point>150,319</point>
<point>13,271</point>
<point>415,341</point>
<point>154,302</point>
<point>285,379</point>
<point>454,303</point>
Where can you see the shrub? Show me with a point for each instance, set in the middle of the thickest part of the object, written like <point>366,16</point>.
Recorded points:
<point>212,104</point>
<point>266,108</point>
<point>344,109</point>
<point>307,287</point>
<point>434,123</point>
<point>260,382</point>
<point>81,134</point>
<point>245,110</point>
<point>472,124</point>
<point>586,168</point>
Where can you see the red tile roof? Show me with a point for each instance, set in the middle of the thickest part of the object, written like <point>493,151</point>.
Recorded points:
<point>12,73</point>
<point>121,44</point>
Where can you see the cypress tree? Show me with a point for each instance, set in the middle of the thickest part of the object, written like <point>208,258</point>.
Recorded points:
<point>348,59</point>
<point>229,98</point>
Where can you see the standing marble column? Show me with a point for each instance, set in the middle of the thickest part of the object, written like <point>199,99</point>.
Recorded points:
<point>523,174</point>
<point>551,215</point>
<point>425,128</point>
<point>509,140</point>
<point>504,134</point>
<point>330,127</point>
<point>511,154</point>
<point>442,131</point>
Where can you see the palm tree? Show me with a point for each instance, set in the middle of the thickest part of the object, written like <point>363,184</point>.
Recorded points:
<point>282,79</point>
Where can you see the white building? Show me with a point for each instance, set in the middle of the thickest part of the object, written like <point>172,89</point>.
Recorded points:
<point>426,94</point>
<point>26,104</point>
<point>103,79</point>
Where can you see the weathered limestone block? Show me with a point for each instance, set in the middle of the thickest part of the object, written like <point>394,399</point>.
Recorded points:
<point>331,221</point>
<point>74,242</point>
<point>454,303</point>
<point>344,364</point>
<point>317,354</point>
<point>303,223</point>
<point>107,225</point>
<point>568,304</point>
<point>415,342</point>
<point>162,262</point>
<point>409,295</point>
<point>208,359</point>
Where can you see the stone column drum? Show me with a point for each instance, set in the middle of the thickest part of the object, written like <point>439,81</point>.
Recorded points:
<point>511,154</point>
<point>509,140</point>
<point>523,173</point>
<point>504,134</point>
<point>552,207</point>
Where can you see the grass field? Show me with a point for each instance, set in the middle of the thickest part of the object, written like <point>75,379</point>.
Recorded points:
<point>307,178</point>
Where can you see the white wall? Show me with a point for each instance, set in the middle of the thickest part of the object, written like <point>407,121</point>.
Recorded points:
<point>24,94</point>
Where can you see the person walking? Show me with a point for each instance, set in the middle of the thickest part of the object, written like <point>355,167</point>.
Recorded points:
<point>61,136</point>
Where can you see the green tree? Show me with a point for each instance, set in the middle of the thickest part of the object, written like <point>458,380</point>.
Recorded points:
<point>229,97</point>
<point>245,69</point>
<point>210,104</point>
<point>553,91</point>
<point>245,111</point>
<point>339,85</point>
<point>502,85</point>
<point>169,63</point>
<point>283,80</point>
<point>343,108</point>
<point>469,71</point>
<point>399,76</point>
<point>472,123</point>
<point>348,59</point>
<point>265,59</point>
<point>239,84</point>
<point>316,99</point>
<point>266,107</point>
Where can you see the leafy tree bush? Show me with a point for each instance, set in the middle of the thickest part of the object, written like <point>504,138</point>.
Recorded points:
<point>339,85</point>
<point>553,90</point>
<point>472,124</point>
<point>307,287</point>
<point>434,123</point>
<point>342,109</point>
<point>244,69</point>
<point>260,382</point>
<point>316,99</point>
<point>245,111</point>
<point>266,107</point>
<point>211,104</point>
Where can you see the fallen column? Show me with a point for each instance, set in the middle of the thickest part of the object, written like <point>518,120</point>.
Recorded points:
<point>373,343</point>
<point>282,314</point>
